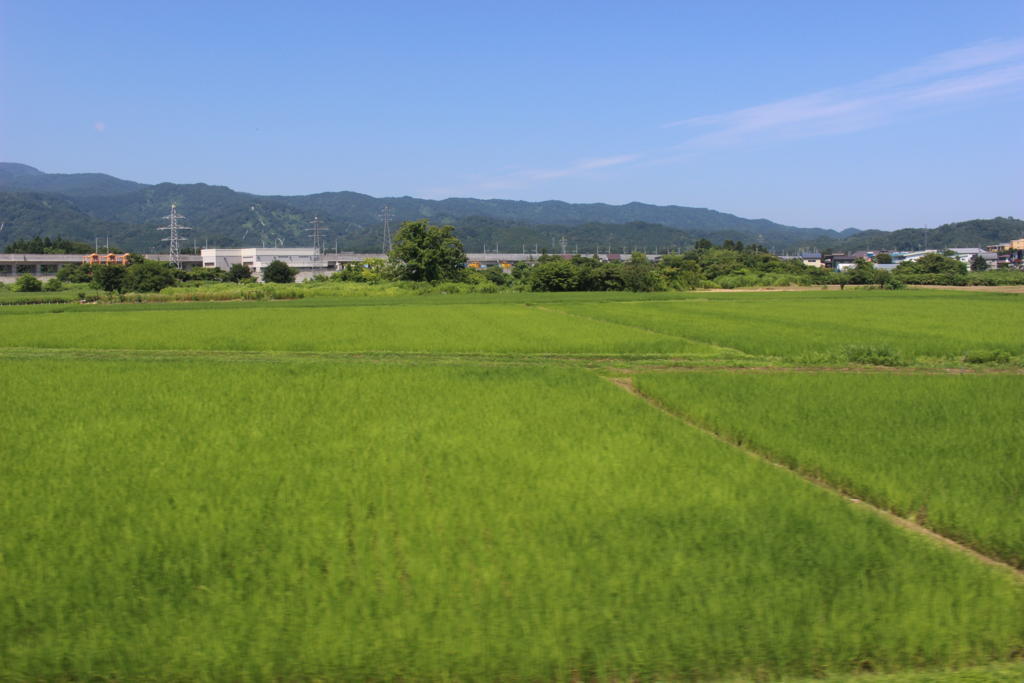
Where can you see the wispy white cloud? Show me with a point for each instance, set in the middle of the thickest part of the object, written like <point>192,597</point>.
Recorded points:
<point>949,77</point>
<point>517,179</point>
<point>581,167</point>
<point>957,75</point>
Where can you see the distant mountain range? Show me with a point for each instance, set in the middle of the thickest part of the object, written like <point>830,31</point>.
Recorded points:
<point>83,206</point>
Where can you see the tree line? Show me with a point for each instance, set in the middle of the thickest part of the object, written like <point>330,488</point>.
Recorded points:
<point>427,253</point>
<point>48,245</point>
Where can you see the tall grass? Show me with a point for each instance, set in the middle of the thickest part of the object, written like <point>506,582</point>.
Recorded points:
<point>197,520</point>
<point>944,449</point>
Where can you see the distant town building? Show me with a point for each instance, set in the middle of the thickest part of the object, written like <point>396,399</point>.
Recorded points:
<point>106,259</point>
<point>811,258</point>
<point>304,259</point>
<point>966,254</point>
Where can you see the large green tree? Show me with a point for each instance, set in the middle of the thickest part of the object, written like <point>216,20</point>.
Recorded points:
<point>148,276</point>
<point>427,252</point>
<point>555,275</point>
<point>932,269</point>
<point>863,273</point>
<point>108,277</point>
<point>279,272</point>
<point>239,271</point>
<point>639,274</point>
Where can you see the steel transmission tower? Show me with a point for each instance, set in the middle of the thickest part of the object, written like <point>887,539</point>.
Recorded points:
<point>386,215</point>
<point>174,238</point>
<point>318,239</point>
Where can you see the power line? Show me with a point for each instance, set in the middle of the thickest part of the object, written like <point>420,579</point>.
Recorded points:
<point>386,215</point>
<point>174,238</point>
<point>318,239</point>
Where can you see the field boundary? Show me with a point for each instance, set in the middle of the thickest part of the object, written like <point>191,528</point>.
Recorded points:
<point>852,368</point>
<point>626,384</point>
<point>728,349</point>
<point>609,364</point>
<point>613,362</point>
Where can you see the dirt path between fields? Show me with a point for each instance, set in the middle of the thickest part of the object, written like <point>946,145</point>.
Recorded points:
<point>728,349</point>
<point>626,383</point>
<point>1008,289</point>
<point>840,369</point>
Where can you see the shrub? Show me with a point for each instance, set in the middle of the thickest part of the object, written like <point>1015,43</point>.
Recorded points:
<point>53,285</point>
<point>987,356</point>
<point>75,273</point>
<point>495,275</point>
<point>28,283</point>
<point>199,274</point>
<point>1003,276</point>
<point>893,283</point>
<point>872,355</point>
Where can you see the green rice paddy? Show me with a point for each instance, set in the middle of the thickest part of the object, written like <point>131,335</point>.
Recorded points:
<point>943,449</point>
<point>454,489</point>
<point>809,325</point>
<point>411,327</point>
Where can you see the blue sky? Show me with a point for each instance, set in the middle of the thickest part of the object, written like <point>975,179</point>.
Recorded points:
<point>830,114</point>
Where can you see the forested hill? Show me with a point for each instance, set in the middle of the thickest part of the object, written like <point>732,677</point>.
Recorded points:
<point>14,177</point>
<point>974,233</point>
<point>84,206</point>
<point>29,214</point>
<point>91,203</point>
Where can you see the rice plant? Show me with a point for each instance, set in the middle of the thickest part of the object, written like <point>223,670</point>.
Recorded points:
<point>215,520</point>
<point>792,325</point>
<point>944,449</point>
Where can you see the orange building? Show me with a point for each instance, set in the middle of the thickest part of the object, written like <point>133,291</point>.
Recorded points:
<point>106,259</point>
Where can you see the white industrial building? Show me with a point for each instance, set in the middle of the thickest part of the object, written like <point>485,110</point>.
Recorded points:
<point>964,255</point>
<point>304,259</point>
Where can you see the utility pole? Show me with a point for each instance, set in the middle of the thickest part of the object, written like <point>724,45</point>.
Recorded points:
<point>386,215</point>
<point>174,238</point>
<point>318,240</point>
